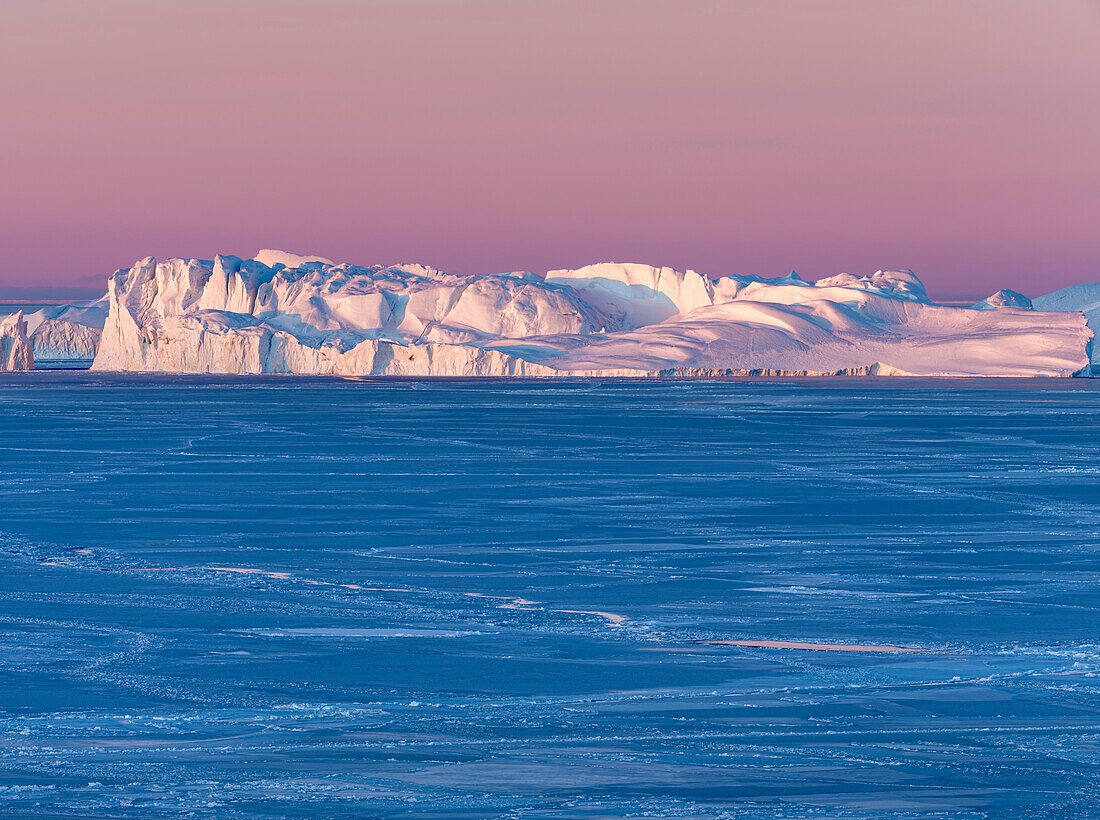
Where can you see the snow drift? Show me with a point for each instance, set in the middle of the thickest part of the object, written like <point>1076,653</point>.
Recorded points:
<point>283,313</point>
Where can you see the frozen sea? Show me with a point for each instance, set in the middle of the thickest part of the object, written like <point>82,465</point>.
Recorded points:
<point>293,597</point>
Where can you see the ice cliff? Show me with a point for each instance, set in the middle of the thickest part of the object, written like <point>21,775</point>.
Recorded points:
<point>1084,298</point>
<point>15,346</point>
<point>283,313</point>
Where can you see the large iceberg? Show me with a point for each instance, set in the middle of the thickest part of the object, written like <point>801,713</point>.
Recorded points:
<point>15,346</point>
<point>284,313</point>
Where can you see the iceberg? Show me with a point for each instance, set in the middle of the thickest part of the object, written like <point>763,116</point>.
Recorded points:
<point>286,313</point>
<point>16,352</point>
<point>1004,298</point>
<point>67,332</point>
<point>1084,299</point>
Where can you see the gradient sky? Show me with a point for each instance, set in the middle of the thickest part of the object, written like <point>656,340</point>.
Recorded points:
<point>959,138</point>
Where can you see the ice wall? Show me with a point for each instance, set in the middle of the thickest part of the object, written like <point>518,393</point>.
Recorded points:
<point>15,346</point>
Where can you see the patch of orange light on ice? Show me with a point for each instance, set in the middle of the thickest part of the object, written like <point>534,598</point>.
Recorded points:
<point>510,601</point>
<point>823,647</point>
<point>286,576</point>
<point>282,576</point>
<point>513,602</point>
<point>279,576</point>
<point>613,619</point>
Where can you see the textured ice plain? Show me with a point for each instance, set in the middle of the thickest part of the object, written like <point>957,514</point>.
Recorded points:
<point>281,313</point>
<point>16,352</point>
<point>261,597</point>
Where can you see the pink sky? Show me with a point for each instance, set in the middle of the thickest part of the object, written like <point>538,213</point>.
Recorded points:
<point>959,138</point>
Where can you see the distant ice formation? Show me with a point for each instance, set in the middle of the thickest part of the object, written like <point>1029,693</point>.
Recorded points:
<point>15,346</point>
<point>1004,298</point>
<point>285,313</point>
<point>67,332</point>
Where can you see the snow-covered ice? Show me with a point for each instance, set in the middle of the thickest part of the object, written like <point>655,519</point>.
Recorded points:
<point>285,313</point>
